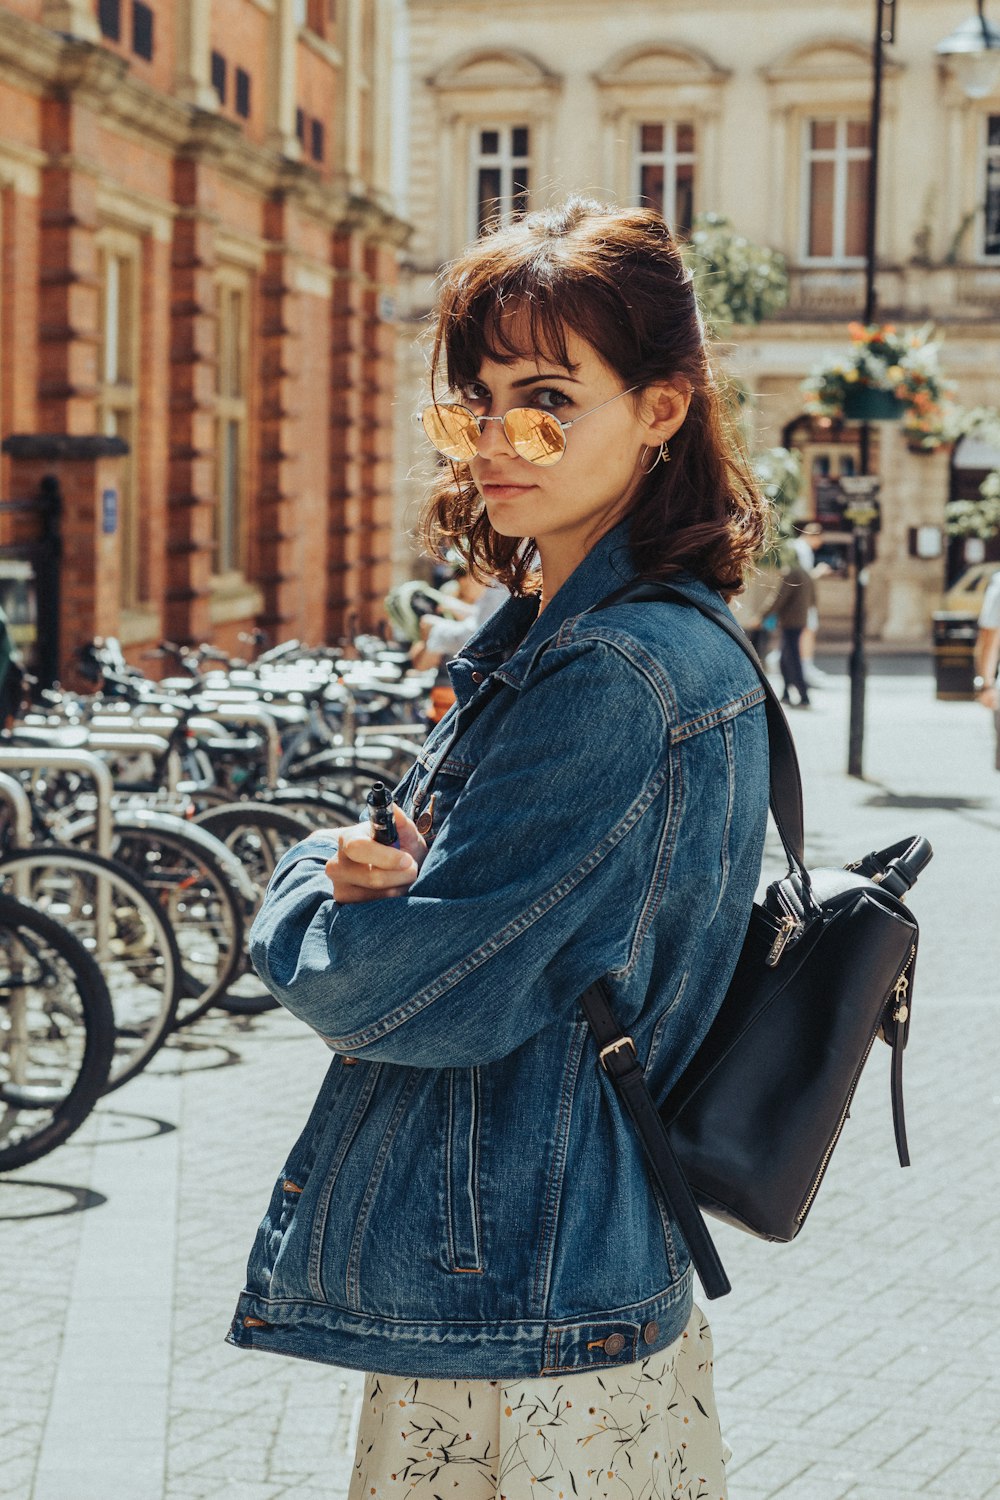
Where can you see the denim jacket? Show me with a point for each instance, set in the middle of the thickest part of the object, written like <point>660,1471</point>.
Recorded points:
<point>468,1198</point>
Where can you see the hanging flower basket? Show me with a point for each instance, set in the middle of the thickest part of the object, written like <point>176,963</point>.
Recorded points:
<point>888,375</point>
<point>866,403</point>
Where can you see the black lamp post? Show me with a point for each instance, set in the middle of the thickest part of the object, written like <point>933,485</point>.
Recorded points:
<point>973,50</point>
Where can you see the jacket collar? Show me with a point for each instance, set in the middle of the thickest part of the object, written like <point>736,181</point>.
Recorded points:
<point>516,633</point>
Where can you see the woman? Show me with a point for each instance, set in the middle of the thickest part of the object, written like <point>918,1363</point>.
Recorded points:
<point>467,1212</point>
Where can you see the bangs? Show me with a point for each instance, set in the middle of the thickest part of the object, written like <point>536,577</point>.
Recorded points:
<point>527,318</point>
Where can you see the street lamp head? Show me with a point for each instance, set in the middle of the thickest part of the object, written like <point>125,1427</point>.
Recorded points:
<point>973,49</point>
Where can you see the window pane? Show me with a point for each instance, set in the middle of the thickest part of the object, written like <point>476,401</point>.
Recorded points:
<point>488,195</point>
<point>821,177</point>
<point>520,140</point>
<point>126,312</point>
<point>856,215</point>
<point>684,199</point>
<point>243,93</point>
<point>991,235</point>
<point>685,137</point>
<point>993,130</point>
<point>857,133</point>
<point>109,18</point>
<point>489,142</point>
<point>519,199</point>
<point>651,186</point>
<point>112,306</point>
<point>823,135</point>
<point>219,75</point>
<point>650,137</point>
<point>142,30</point>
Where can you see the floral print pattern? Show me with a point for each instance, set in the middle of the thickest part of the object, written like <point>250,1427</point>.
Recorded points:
<point>648,1431</point>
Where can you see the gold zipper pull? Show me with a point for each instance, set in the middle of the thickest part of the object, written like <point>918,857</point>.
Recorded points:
<point>781,941</point>
<point>900,990</point>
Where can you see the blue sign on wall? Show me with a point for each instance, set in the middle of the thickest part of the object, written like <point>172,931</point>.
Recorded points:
<point>109,512</point>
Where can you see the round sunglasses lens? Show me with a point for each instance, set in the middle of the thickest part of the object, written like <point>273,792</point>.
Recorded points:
<point>535,435</point>
<point>453,430</point>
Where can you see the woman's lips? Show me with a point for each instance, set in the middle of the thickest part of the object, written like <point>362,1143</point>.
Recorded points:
<point>505,491</point>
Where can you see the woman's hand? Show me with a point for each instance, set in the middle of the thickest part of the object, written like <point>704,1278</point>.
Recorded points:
<point>363,870</point>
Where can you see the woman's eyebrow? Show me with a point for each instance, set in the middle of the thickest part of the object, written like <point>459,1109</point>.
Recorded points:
<point>534,379</point>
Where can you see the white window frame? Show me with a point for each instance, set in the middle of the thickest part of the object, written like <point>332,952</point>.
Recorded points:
<point>119,396</point>
<point>232,412</point>
<point>507,162</point>
<point>841,154</point>
<point>987,152</point>
<point>669,158</point>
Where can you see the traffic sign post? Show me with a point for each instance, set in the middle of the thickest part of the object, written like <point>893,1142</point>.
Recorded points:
<point>862,511</point>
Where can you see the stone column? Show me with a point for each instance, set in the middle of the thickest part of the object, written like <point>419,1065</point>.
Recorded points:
<point>347,372</point>
<point>194,54</point>
<point>191,490</point>
<point>904,590</point>
<point>281,81</point>
<point>73,18</point>
<point>277,529</point>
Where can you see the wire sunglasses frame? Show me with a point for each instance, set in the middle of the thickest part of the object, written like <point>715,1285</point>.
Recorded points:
<point>539,437</point>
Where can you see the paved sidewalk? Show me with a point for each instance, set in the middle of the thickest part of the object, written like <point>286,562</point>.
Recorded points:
<point>862,1361</point>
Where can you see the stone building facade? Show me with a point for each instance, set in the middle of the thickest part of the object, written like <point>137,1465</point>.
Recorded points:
<point>758,112</point>
<point>199,254</point>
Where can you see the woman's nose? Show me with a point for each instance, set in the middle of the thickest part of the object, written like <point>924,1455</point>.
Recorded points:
<point>493,440</point>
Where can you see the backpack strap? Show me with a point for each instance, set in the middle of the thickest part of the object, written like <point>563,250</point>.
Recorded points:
<point>785,780</point>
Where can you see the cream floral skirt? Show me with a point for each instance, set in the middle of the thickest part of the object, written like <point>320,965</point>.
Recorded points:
<point>648,1431</point>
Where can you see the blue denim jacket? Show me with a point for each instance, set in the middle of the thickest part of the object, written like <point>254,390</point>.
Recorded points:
<point>468,1198</point>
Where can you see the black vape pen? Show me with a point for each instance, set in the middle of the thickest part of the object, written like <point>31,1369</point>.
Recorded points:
<point>380,819</point>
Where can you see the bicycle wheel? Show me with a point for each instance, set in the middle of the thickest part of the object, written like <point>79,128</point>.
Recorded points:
<point>57,1034</point>
<point>192,878</point>
<point>138,955</point>
<point>258,834</point>
<point>337,771</point>
<point>312,805</point>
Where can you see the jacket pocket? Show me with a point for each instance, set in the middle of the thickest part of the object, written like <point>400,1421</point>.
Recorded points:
<point>462,1170</point>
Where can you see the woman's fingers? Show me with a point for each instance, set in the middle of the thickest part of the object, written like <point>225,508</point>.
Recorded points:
<point>363,870</point>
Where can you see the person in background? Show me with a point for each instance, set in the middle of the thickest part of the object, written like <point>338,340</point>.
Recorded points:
<point>796,597</point>
<point>806,545</point>
<point>443,635</point>
<point>988,654</point>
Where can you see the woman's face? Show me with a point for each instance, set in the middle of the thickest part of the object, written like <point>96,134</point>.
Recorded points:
<point>575,501</point>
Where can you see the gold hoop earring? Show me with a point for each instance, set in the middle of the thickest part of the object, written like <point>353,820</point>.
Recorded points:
<point>663,456</point>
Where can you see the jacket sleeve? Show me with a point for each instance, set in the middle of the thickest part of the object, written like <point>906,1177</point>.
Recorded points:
<point>532,889</point>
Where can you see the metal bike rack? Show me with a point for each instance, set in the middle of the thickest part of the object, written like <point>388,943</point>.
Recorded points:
<point>258,717</point>
<point>14,759</point>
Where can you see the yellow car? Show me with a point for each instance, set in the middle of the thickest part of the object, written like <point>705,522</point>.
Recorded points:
<point>966,594</point>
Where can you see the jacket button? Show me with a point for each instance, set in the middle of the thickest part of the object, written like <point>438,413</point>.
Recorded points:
<point>477,676</point>
<point>651,1333</point>
<point>613,1345</point>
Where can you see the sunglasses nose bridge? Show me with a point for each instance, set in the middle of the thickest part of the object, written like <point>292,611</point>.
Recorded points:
<point>495,426</point>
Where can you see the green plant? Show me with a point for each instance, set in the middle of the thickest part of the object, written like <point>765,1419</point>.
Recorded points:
<point>884,358</point>
<point>736,281</point>
<point>954,249</point>
<point>779,474</point>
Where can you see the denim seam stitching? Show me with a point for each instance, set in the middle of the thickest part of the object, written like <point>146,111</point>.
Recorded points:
<point>315,1256</point>
<point>519,924</point>
<point>542,1281</point>
<point>351,1287</point>
<point>721,715</point>
<point>661,867</point>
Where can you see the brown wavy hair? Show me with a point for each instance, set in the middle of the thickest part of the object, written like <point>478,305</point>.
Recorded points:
<point>616,278</point>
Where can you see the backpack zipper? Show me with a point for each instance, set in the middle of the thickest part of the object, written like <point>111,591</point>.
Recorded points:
<point>899,989</point>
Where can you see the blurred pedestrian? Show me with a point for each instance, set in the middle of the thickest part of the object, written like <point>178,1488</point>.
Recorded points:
<point>806,545</point>
<point>795,598</point>
<point>987,655</point>
<point>467,1212</point>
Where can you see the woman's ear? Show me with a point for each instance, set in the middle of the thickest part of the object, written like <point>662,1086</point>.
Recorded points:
<point>665,405</point>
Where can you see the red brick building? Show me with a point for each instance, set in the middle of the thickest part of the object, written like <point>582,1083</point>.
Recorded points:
<point>198,260</point>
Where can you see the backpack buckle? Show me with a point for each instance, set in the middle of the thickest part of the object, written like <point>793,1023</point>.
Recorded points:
<point>623,1041</point>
